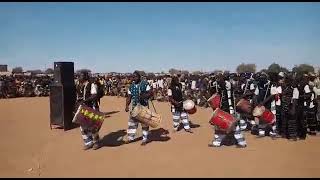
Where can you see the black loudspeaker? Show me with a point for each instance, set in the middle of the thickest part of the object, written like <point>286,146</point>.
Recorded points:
<point>62,106</point>
<point>64,73</point>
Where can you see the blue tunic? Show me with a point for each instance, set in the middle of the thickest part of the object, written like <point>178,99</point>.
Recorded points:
<point>137,89</point>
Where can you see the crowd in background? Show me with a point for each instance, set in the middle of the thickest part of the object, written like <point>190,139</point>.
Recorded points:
<point>196,87</point>
<point>24,86</point>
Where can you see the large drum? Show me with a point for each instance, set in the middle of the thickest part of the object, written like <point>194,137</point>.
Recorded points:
<point>189,106</point>
<point>264,114</point>
<point>225,121</point>
<point>244,106</point>
<point>146,116</point>
<point>88,118</point>
<point>214,101</point>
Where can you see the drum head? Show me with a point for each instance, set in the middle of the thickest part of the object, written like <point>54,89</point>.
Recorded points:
<point>188,105</point>
<point>136,110</point>
<point>258,111</point>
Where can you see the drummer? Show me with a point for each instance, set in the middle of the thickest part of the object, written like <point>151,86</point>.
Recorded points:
<point>220,136</point>
<point>246,90</point>
<point>139,92</point>
<point>264,95</point>
<point>87,93</point>
<point>176,99</point>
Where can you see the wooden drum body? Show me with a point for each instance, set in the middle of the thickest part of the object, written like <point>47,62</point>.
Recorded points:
<point>264,114</point>
<point>146,116</point>
<point>244,106</point>
<point>88,118</point>
<point>225,121</point>
<point>214,101</point>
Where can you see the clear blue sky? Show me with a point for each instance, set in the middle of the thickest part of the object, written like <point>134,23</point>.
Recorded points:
<point>123,37</point>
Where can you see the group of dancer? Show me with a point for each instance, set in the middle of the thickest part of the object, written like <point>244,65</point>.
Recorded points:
<point>288,96</point>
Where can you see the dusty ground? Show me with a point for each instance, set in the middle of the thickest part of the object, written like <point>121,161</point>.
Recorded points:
<point>29,148</point>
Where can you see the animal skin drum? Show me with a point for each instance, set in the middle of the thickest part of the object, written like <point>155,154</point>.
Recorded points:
<point>144,115</point>
<point>268,117</point>
<point>264,114</point>
<point>244,106</point>
<point>214,101</point>
<point>258,111</point>
<point>189,106</point>
<point>225,121</point>
<point>88,118</point>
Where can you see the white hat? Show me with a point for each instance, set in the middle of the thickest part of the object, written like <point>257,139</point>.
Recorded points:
<point>281,74</point>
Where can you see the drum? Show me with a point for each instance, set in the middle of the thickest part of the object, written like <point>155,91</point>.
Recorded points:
<point>264,114</point>
<point>268,117</point>
<point>146,116</point>
<point>225,121</point>
<point>214,101</point>
<point>244,106</point>
<point>258,111</point>
<point>88,118</point>
<point>189,106</point>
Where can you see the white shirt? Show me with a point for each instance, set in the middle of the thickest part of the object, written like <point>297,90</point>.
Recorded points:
<point>252,86</point>
<point>154,85</point>
<point>150,81</point>
<point>183,86</point>
<point>242,86</point>
<point>169,92</point>
<point>94,88</point>
<point>193,85</point>
<point>160,83</point>
<point>256,92</point>
<point>228,85</point>
<point>307,90</point>
<point>295,93</point>
<point>274,90</point>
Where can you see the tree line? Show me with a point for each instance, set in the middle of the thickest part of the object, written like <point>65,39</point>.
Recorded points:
<point>241,68</point>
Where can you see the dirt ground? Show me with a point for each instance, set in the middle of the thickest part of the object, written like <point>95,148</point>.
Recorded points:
<point>29,148</point>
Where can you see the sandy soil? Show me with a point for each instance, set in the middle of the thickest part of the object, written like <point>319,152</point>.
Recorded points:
<point>29,148</point>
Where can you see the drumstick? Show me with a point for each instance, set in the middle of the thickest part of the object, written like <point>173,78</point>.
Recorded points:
<point>245,88</point>
<point>267,91</point>
<point>234,103</point>
<point>222,96</point>
<point>153,107</point>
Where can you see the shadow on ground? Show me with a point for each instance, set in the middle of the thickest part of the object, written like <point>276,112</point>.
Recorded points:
<point>116,138</point>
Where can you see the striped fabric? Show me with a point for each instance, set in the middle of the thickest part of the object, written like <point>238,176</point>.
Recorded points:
<point>176,120</point>
<point>242,121</point>
<point>133,125</point>
<point>219,137</point>
<point>89,137</point>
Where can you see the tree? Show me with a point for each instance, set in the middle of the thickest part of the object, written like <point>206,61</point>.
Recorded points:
<point>226,72</point>
<point>173,71</point>
<point>276,68</point>
<point>37,71</point>
<point>185,72</point>
<point>197,72</point>
<point>83,70</point>
<point>246,68</point>
<point>49,71</point>
<point>142,73</point>
<point>303,68</point>
<point>217,71</point>
<point>17,70</point>
<point>283,69</point>
<point>264,70</point>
